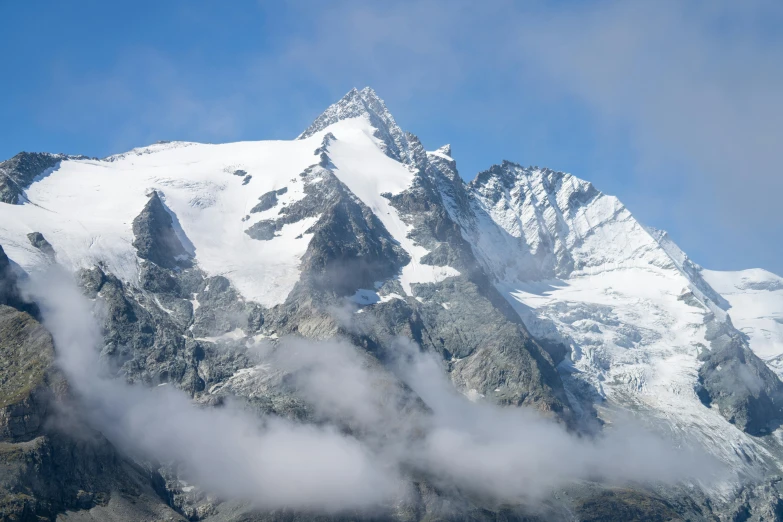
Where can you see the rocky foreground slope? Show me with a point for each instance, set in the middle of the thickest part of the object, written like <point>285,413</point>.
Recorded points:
<point>529,286</point>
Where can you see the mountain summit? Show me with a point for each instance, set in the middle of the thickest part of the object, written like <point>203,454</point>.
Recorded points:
<point>396,143</point>
<point>326,286</point>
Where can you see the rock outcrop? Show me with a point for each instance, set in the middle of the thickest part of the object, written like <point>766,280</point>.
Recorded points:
<point>10,294</point>
<point>50,462</point>
<point>17,173</point>
<point>155,238</point>
<point>747,393</point>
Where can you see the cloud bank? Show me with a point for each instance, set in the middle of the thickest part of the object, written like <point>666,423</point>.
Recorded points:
<point>374,428</point>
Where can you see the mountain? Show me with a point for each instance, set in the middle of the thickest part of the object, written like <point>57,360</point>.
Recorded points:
<point>756,300</point>
<point>530,287</point>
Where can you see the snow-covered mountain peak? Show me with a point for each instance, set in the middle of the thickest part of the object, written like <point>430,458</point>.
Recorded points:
<point>355,103</point>
<point>509,174</point>
<point>639,317</point>
<point>395,143</point>
<point>751,279</point>
<point>567,227</point>
<point>555,223</point>
<point>445,150</point>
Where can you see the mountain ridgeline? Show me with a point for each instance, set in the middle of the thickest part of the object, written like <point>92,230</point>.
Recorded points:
<point>526,288</point>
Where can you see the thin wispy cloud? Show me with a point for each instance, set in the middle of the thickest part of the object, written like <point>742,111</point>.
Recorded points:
<point>696,85</point>
<point>674,107</point>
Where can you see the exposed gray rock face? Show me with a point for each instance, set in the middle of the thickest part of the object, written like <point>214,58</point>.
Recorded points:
<point>169,330</point>
<point>9,289</point>
<point>328,139</point>
<point>17,173</point>
<point>350,248</point>
<point>625,505</point>
<point>268,200</point>
<point>144,343</point>
<point>59,477</point>
<point>39,241</point>
<point>488,348</point>
<point>746,391</point>
<point>155,237</point>
<point>26,362</point>
<point>47,469</point>
<point>263,230</point>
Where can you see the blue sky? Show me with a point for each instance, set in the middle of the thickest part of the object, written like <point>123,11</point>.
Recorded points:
<point>674,107</point>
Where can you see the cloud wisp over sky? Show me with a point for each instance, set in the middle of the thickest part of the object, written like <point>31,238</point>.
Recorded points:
<point>674,107</point>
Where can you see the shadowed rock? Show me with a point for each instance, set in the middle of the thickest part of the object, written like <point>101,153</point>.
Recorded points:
<point>39,241</point>
<point>625,506</point>
<point>748,394</point>
<point>50,462</point>
<point>17,173</point>
<point>263,230</point>
<point>9,289</point>
<point>268,200</point>
<point>26,356</point>
<point>155,238</point>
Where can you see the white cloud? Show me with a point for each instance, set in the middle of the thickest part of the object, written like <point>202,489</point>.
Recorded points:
<point>406,420</point>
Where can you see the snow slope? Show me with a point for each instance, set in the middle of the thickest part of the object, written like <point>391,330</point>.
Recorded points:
<point>85,208</point>
<point>756,299</point>
<point>628,303</point>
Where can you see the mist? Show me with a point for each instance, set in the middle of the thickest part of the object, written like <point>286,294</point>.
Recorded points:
<point>376,427</point>
<point>269,461</point>
<point>509,454</point>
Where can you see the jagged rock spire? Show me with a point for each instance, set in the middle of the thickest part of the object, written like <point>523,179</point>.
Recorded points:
<point>354,104</point>
<point>445,150</point>
<point>397,144</point>
<point>155,238</point>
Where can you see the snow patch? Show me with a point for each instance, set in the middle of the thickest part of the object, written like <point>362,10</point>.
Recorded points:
<point>234,335</point>
<point>756,298</point>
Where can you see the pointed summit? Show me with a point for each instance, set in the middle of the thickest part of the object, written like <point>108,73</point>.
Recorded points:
<point>397,144</point>
<point>445,150</point>
<point>353,105</point>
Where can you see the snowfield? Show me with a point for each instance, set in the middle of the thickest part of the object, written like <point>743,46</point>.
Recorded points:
<point>85,208</point>
<point>631,307</point>
<point>756,299</point>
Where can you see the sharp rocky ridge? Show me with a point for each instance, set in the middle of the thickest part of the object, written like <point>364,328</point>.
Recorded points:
<point>530,286</point>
